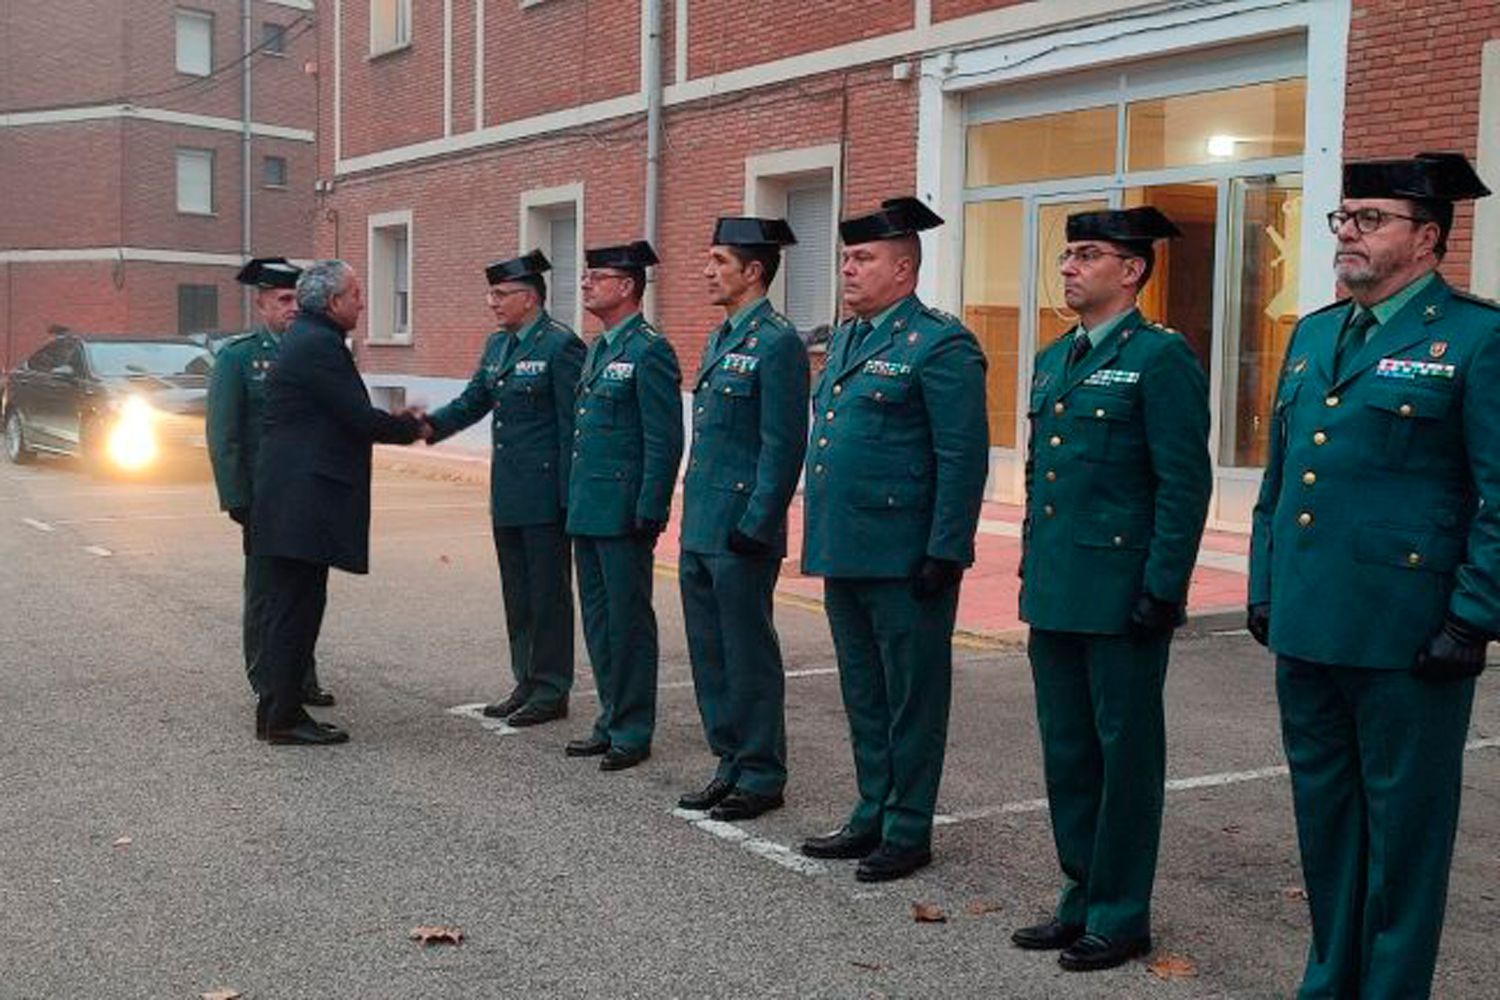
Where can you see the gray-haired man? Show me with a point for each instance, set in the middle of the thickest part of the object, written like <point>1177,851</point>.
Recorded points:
<point>314,468</point>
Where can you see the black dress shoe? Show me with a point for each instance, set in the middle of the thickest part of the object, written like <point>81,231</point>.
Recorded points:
<point>500,709</point>
<point>841,843</point>
<point>745,805</point>
<point>535,715</point>
<point>307,732</point>
<point>316,696</point>
<point>711,795</point>
<point>1051,936</point>
<point>886,863</point>
<point>619,758</point>
<point>591,746</point>
<point>1093,952</point>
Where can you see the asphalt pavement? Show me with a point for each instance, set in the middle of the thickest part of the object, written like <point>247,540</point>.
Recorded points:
<point>151,847</point>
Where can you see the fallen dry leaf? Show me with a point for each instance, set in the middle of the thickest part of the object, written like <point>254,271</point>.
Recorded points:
<point>437,935</point>
<point>978,908</point>
<point>1172,967</point>
<point>928,913</point>
<point>122,842</point>
<point>444,560</point>
<point>221,994</point>
<point>1294,892</point>
<point>868,966</point>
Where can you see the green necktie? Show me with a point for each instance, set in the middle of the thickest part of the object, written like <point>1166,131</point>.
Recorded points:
<point>721,337</point>
<point>1351,338</point>
<point>1079,348</point>
<point>507,348</point>
<point>857,335</point>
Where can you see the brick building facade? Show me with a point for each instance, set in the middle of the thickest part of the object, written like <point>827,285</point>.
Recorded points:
<point>98,104</point>
<point>457,132</point>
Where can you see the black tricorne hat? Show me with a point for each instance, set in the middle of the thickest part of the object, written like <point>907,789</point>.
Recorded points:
<point>1122,225</point>
<point>526,266</point>
<point>897,217</point>
<point>1431,177</point>
<point>269,272</point>
<point>747,231</point>
<point>628,256</point>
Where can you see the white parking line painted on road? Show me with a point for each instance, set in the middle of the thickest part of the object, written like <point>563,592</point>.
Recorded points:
<point>97,550</point>
<point>1175,785</point>
<point>768,849</point>
<point>38,525</point>
<point>476,712</point>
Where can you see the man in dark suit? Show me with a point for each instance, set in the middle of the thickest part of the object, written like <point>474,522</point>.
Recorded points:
<point>313,472</point>
<point>525,383</point>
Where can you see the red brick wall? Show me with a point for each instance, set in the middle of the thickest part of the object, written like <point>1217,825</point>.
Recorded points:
<point>1414,85</point>
<point>466,211</point>
<point>131,297</point>
<point>559,54</point>
<point>54,191</point>
<point>947,10</point>
<point>725,35</point>
<point>396,98</point>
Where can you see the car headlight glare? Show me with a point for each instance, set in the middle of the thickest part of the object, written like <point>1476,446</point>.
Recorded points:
<point>132,438</point>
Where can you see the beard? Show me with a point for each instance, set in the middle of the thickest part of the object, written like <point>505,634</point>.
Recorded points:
<point>1357,272</point>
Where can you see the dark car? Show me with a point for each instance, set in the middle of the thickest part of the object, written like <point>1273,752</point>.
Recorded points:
<point>121,403</point>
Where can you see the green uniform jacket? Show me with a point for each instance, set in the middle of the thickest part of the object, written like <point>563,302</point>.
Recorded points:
<point>899,450</point>
<point>530,397</point>
<point>1380,507</point>
<point>1118,478</point>
<point>236,407</point>
<point>749,435</point>
<point>627,440</point>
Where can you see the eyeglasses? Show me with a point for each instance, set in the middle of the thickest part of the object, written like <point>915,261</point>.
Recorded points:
<point>1088,255</point>
<point>592,275</point>
<point>505,293</point>
<point>1366,220</point>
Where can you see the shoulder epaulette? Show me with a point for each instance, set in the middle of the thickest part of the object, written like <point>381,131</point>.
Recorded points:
<point>241,338</point>
<point>1478,300</point>
<point>943,317</point>
<point>1335,304</point>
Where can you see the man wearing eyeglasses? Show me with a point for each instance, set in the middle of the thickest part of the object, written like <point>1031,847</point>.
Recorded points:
<point>626,449</point>
<point>1375,572</point>
<point>1118,479</point>
<point>525,382</point>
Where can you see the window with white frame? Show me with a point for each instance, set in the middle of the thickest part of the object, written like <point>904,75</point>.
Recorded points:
<point>390,25</point>
<point>195,181</point>
<point>551,221</point>
<point>389,299</point>
<point>195,42</point>
<point>801,186</point>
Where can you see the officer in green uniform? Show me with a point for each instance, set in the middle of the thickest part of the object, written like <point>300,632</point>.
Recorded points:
<point>236,405</point>
<point>895,476</point>
<point>1118,478</point>
<point>1375,572</point>
<point>526,380</point>
<point>749,439</point>
<point>626,450</point>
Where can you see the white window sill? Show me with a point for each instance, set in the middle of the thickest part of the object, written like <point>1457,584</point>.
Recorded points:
<point>393,50</point>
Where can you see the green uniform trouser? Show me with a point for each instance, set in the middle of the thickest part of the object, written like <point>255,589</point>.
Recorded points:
<point>895,658</point>
<point>536,582</point>
<point>1104,750</point>
<point>737,670</point>
<point>1377,768</point>
<point>253,621</point>
<point>619,629</point>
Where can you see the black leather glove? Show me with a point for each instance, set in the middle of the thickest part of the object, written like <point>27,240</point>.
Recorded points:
<point>935,576</point>
<point>1455,652</point>
<point>742,544</point>
<point>1152,617</point>
<point>1258,622</point>
<point>647,527</point>
<point>239,515</point>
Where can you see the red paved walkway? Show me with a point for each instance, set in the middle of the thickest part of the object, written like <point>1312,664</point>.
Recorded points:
<point>987,605</point>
